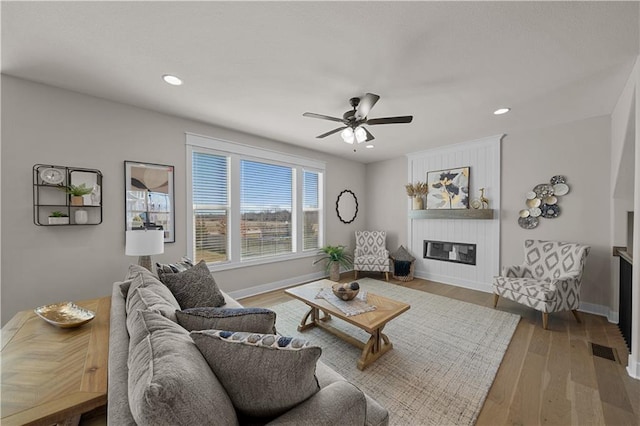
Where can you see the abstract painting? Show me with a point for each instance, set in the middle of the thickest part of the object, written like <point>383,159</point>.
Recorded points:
<point>448,189</point>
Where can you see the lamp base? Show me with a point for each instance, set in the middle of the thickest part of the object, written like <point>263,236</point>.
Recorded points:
<point>145,262</point>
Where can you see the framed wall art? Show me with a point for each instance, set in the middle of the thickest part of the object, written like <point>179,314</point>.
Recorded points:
<point>448,189</point>
<point>149,199</point>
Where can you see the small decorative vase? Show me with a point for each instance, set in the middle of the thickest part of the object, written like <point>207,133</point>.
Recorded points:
<point>76,200</point>
<point>81,216</point>
<point>334,271</point>
<point>418,203</point>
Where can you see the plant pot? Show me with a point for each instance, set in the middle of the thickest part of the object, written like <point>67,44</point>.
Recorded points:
<point>76,200</point>
<point>418,203</point>
<point>81,216</point>
<point>334,272</point>
<point>58,220</point>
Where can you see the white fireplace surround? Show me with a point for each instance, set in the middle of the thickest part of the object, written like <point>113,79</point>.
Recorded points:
<point>482,156</point>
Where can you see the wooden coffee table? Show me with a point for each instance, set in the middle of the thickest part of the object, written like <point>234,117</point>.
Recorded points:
<point>372,322</point>
<point>53,375</point>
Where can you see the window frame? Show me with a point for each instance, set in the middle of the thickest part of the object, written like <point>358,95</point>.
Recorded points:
<point>235,152</point>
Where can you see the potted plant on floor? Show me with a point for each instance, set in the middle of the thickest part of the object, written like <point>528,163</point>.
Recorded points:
<point>334,256</point>
<point>58,218</point>
<point>76,192</point>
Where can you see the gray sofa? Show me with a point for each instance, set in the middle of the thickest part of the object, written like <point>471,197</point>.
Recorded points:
<point>337,401</point>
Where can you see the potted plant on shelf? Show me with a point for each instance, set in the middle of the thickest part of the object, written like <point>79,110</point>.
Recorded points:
<point>417,191</point>
<point>58,218</point>
<point>76,192</point>
<point>335,256</point>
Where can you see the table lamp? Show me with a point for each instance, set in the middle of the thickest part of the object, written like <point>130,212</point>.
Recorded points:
<point>144,243</point>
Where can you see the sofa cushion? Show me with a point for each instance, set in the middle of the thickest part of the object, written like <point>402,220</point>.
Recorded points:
<point>253,320</point>
<point>149,294</point>
<point>264,375</point>
<point>169,380</point>
<point>194,287</point>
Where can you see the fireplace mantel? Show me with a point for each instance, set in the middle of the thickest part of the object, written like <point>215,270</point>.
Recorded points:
<point>451,214</point>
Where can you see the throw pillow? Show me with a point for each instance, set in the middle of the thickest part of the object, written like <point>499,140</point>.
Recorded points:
<point>169,381</point>
<point>172,268</point>
<point>264,375</point>
<point>402,254</point>
<point>252,320</point>
<point>194,287</point>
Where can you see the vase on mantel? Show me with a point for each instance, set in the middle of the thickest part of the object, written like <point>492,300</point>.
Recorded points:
<point>418,203</point>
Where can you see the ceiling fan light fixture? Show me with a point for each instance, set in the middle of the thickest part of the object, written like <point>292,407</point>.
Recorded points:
<point>347,135</point>
<point>501,111</point>
<point>361,134</point>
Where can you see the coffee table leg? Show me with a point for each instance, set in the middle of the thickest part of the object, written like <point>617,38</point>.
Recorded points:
<point>377,346</point>
<point>311,318</point>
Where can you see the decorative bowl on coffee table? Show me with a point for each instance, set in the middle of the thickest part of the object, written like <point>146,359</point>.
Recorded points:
<point>346,291</point>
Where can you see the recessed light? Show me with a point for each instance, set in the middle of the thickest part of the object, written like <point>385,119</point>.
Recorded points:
<point>369,146</point>
<point>501,111</point>
<point>172,80</point>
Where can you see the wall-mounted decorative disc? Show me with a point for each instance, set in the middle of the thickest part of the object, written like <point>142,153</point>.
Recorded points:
<point>528,222</point>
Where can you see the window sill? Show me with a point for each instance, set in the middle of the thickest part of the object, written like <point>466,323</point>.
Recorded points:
<point>223,266</point>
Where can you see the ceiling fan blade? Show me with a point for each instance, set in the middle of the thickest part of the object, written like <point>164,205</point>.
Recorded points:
<point>366,103</point>
<point>324,135</point>
<point>323,117</point>
<point>369,135</point>
<point>390,120</point>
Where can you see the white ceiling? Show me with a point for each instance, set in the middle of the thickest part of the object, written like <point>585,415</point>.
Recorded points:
<point>257,66</point>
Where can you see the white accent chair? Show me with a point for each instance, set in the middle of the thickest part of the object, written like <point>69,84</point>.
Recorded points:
<point>371,253</point>
<point>548,280</point>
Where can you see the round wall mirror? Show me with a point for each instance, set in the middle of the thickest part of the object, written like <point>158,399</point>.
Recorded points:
<point>347,206</point>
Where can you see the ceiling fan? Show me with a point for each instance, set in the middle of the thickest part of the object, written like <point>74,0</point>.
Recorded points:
<point>355,119</point>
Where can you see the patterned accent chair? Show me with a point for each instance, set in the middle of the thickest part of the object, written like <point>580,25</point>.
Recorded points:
<point>549,279</point>
<point>371,253</point>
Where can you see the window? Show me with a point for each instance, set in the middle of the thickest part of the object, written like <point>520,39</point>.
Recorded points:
<point>210,206</point>
<point>266,208</point>
<point>310,210</point>
<point>248,205</point>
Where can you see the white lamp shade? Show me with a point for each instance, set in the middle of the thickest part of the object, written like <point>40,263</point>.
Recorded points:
<point>144,243</point>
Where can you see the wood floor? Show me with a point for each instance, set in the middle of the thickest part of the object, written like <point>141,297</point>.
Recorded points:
<point>547,377</point>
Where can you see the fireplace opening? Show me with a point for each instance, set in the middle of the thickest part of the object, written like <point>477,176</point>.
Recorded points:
<point>450,252</point>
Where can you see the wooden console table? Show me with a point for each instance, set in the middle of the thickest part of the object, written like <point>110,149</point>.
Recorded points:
<point>50,374</point>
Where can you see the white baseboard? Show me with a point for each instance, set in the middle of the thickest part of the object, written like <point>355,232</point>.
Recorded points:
<point>458,282</point>
<point>633,369</point>
<point>276,285</point>
<point>601,310</point>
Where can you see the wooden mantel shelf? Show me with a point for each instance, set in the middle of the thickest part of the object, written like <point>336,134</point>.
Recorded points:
<point>451,214</point>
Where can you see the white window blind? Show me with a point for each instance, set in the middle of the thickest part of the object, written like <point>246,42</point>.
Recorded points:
<point>311,210</point>
<point>210,206</point>
<point>266,209</point>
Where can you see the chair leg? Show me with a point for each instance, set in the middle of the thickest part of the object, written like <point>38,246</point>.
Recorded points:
<point>545,320</point>
<point>355,274</point>
<point>575,314</point>
<point>495,300</point>
<point>387,275</point>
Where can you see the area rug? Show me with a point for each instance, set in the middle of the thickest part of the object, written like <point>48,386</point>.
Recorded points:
<point>444,359</point>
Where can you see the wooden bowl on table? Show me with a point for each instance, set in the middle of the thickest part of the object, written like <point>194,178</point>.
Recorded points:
<point>346,291</point>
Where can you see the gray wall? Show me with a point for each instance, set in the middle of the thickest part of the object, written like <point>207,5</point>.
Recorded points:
<point>43,124</point>
<point>578,150</point>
